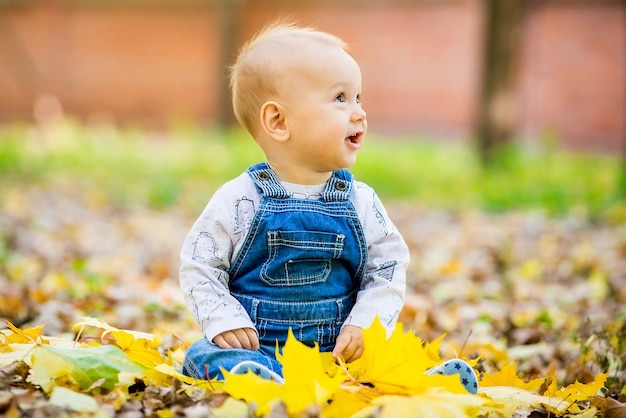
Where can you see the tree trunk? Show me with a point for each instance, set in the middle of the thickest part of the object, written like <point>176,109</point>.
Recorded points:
<point>496,114</point>
<point>20,63</point>
<point>621,182</point>
<point>229,12</point>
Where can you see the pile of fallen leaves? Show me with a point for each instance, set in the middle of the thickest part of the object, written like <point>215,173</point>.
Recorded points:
<point>388,381</point>
<point>535,304</point>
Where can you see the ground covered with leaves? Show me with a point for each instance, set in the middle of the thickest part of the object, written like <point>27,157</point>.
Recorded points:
<point>94,322</point>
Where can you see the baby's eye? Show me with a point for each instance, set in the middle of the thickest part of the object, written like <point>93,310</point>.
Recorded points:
<point>341,98</point>
<point>358,99</point>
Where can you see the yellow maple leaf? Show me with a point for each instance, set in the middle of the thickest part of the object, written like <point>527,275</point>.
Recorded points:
<point>159,373</point>
<point>141,347</point>
<point>140,350</point>
<point>558,401</point>
<point>573,393</point>
<point>507,376</point>
<point>254,390</point>
<point>511,398</point>
<point>434,403</point>
<point>306,383</point>
<point>350,399</point>
<point>581,391</point>
<point>312,379</point>
<point>397,365</point>
<point>99,323</point>
<point>231,408</point>
<point>20,336</point>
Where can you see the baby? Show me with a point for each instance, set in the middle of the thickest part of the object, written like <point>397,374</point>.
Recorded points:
<point>294,242</point>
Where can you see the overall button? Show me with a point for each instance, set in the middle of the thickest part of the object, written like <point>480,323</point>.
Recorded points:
<point>340,185</point>
<point>264,175</point>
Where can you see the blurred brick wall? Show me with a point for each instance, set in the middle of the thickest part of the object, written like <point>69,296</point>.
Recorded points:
<point>573,73</point>
<point>155,64</point>
<point>136,64</point>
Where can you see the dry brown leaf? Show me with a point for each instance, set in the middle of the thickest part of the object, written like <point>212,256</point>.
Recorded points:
<point>612,408</point>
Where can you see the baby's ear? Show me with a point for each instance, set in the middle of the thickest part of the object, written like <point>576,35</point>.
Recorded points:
<point>273,121</point>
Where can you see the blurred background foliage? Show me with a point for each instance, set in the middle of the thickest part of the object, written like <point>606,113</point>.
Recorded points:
<point>128,167</point>
<point>489,104</point>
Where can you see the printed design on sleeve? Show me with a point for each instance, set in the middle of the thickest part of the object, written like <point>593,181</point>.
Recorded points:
<point>244,213</point>
<point>381,219</point>
<point>391,312</point>
<point>387,269</point>
<point>205,302</point>
<point>240,311</point>
<point>204,249</point>
<point>392,316</point>
<point>390,319</point>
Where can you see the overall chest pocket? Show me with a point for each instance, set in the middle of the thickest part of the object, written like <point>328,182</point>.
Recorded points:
<point>299,258</point>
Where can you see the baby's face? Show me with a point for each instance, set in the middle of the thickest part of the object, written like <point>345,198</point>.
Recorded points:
<point>322,99</point>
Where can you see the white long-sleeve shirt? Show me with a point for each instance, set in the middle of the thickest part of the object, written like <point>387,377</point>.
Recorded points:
<point>217,235</point>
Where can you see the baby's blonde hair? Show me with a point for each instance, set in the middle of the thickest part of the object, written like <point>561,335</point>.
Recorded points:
<point>258,72</point>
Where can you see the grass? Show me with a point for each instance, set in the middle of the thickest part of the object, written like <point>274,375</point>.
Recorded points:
<point>184,166</point>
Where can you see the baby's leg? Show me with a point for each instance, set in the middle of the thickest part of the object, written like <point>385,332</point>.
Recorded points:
<point>204,360</point>
<point>467,376</point>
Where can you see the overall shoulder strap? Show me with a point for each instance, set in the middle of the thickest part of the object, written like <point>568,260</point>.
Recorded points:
<point>339,186</point>
<point>266,181</point>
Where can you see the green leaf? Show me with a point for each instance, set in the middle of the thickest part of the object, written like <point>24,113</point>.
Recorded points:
<point>81,366</point>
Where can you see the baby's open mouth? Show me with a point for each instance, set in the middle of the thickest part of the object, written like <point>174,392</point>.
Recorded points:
<point>354,138</point>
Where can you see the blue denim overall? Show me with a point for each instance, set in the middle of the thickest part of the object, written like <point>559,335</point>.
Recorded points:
<point>300,267</point>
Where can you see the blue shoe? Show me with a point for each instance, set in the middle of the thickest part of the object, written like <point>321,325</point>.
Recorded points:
<point>258,369</point>
<point>463,369</point>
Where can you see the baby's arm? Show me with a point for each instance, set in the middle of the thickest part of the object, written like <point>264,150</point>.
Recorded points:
<point>204,278</point>
<point>383,288</point>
